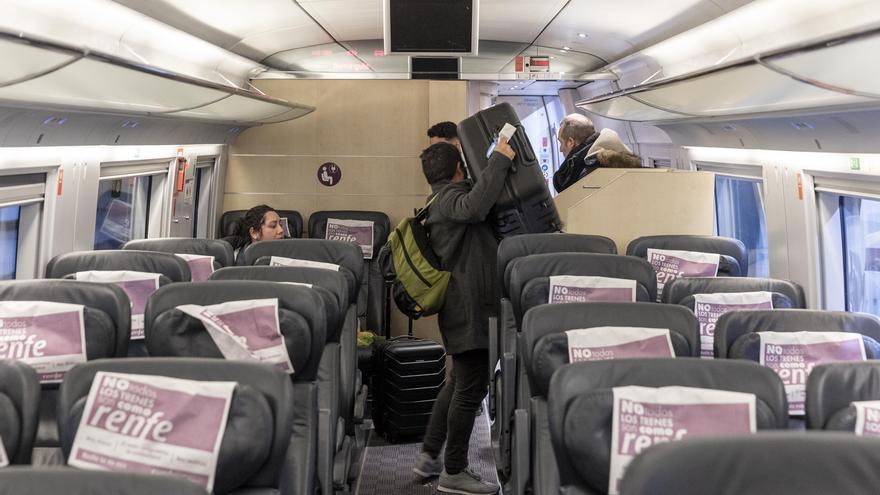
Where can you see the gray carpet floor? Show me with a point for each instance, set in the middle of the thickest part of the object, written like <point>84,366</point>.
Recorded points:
<point>387,468</point>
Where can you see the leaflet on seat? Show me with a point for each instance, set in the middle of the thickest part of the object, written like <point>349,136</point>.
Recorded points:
<point>139,286</point>
<point>200,266</point>
<point>153,425</point>
<point>710,307</point>
<point>358,232</point>
<point>644,416</point>
<point>577,289</point>
<point>605,343</point>
<point>48,336</point>
<point>867,418</point>
<point>282,261</point>
<point>672,264</point>
<point>246,330</point>
<point>792,355</point>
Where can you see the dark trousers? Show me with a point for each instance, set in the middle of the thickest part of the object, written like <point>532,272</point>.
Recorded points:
<point>452,418</point>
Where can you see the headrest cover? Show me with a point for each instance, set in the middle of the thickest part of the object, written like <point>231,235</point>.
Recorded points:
<point>518,246</point>
<point>778,463</point>
<point>219,249</point>
<point>155,423</point>
<point>545,347</point>
<point>301,312</point>
<point>701,243</point>
<point>676,291</point>
<point>40,481</point>
<point>381,227</point>
<point>343,254</point>
<point>107,315</point>
<point>523,270</point>
<point>166,264</point>
<point>272,384</point>
<point>732,326</point>
<point>710,307</point>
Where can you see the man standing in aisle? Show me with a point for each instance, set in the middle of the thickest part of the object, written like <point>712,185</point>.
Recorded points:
<point>466,245</point>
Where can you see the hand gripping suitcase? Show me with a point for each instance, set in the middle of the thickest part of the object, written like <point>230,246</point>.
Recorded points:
<point>408,373</point>
<point>525,205</point>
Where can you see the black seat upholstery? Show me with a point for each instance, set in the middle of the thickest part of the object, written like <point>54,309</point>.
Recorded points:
<point>219,249</point>
<point>262,457</point>
<point>736,333</point>
<point>580,406</point>
<point>302,320</point>
<point>503,330</point>
<point>335,373</point>
<point>172,268</point>
<point>530,275</point>
<point>544,349</point>
<point>347,256</point>
<point>831,388</point>
<point>107,325</point>
<point>40,481</point>
<point>545,346</point>
<point>529,286</point>
<point>372,291</point>
<point>19,410</point>
<point>734,256</point>
<point>230,220</point>
<point>518,246</point>
<point>817,463</point>
<point>786,295</point>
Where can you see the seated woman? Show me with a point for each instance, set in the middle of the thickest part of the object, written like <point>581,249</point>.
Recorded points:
<point>260,223</point>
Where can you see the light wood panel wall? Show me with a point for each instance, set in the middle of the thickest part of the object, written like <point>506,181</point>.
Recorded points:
<point>374,130</point>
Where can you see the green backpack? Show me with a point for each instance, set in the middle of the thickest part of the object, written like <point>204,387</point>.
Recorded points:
<point>418,284</point>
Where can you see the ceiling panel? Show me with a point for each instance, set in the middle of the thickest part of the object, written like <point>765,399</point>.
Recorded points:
<point>535,88</point>
<point>516,20</point>
<point>358,56</point>
<point>347,19</point>
<point>253,28</point>
<point>614,29</point>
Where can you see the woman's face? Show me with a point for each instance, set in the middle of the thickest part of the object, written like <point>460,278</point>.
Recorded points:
<point>270,228</point>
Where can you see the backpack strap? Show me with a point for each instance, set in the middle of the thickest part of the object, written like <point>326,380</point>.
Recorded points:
<point>422,213</point>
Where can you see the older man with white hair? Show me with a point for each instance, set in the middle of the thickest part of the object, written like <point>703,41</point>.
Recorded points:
<point>586,150</point>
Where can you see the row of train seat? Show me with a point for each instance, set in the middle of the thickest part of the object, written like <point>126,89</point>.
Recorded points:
<point>370,296</point>
<point>341,394</point>
<point>578,409</point>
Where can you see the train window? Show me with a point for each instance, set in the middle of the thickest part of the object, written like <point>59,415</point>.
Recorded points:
<point>9,218</point>
<point>860,228</point>
<point>203,198</point>
<point>739,213</point>
<point>123,210</point>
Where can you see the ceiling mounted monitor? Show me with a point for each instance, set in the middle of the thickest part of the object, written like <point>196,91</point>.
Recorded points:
<point>431,27</point>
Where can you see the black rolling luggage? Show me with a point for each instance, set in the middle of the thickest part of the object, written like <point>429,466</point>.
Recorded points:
<point>407,375</point>
<point>525,205</point>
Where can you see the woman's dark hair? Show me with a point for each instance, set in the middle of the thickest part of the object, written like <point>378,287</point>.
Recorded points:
<point>253,219</point>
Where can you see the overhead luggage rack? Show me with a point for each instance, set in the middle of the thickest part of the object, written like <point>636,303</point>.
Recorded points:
<point>786,79</point>
<point>48,74</point>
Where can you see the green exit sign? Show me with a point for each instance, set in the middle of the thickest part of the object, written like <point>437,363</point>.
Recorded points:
<point>855,164</point>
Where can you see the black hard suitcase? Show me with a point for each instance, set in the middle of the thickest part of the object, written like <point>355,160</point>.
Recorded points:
<point>525,205</point>
<point>408,373</point>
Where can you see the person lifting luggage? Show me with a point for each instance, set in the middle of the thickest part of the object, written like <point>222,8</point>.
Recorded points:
<point>466,246</point>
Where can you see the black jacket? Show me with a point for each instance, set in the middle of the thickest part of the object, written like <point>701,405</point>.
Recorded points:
<point>575,166</point>
<point>466,245</point>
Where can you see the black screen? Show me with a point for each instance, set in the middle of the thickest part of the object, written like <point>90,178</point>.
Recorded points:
<point>434,68</point>
<point>431,25</point>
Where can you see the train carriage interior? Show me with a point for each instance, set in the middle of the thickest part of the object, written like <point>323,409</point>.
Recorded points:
<point>331,247</point>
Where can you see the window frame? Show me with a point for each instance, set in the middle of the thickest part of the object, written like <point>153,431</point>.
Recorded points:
<point>159,200</point>
<point>26,189</point>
